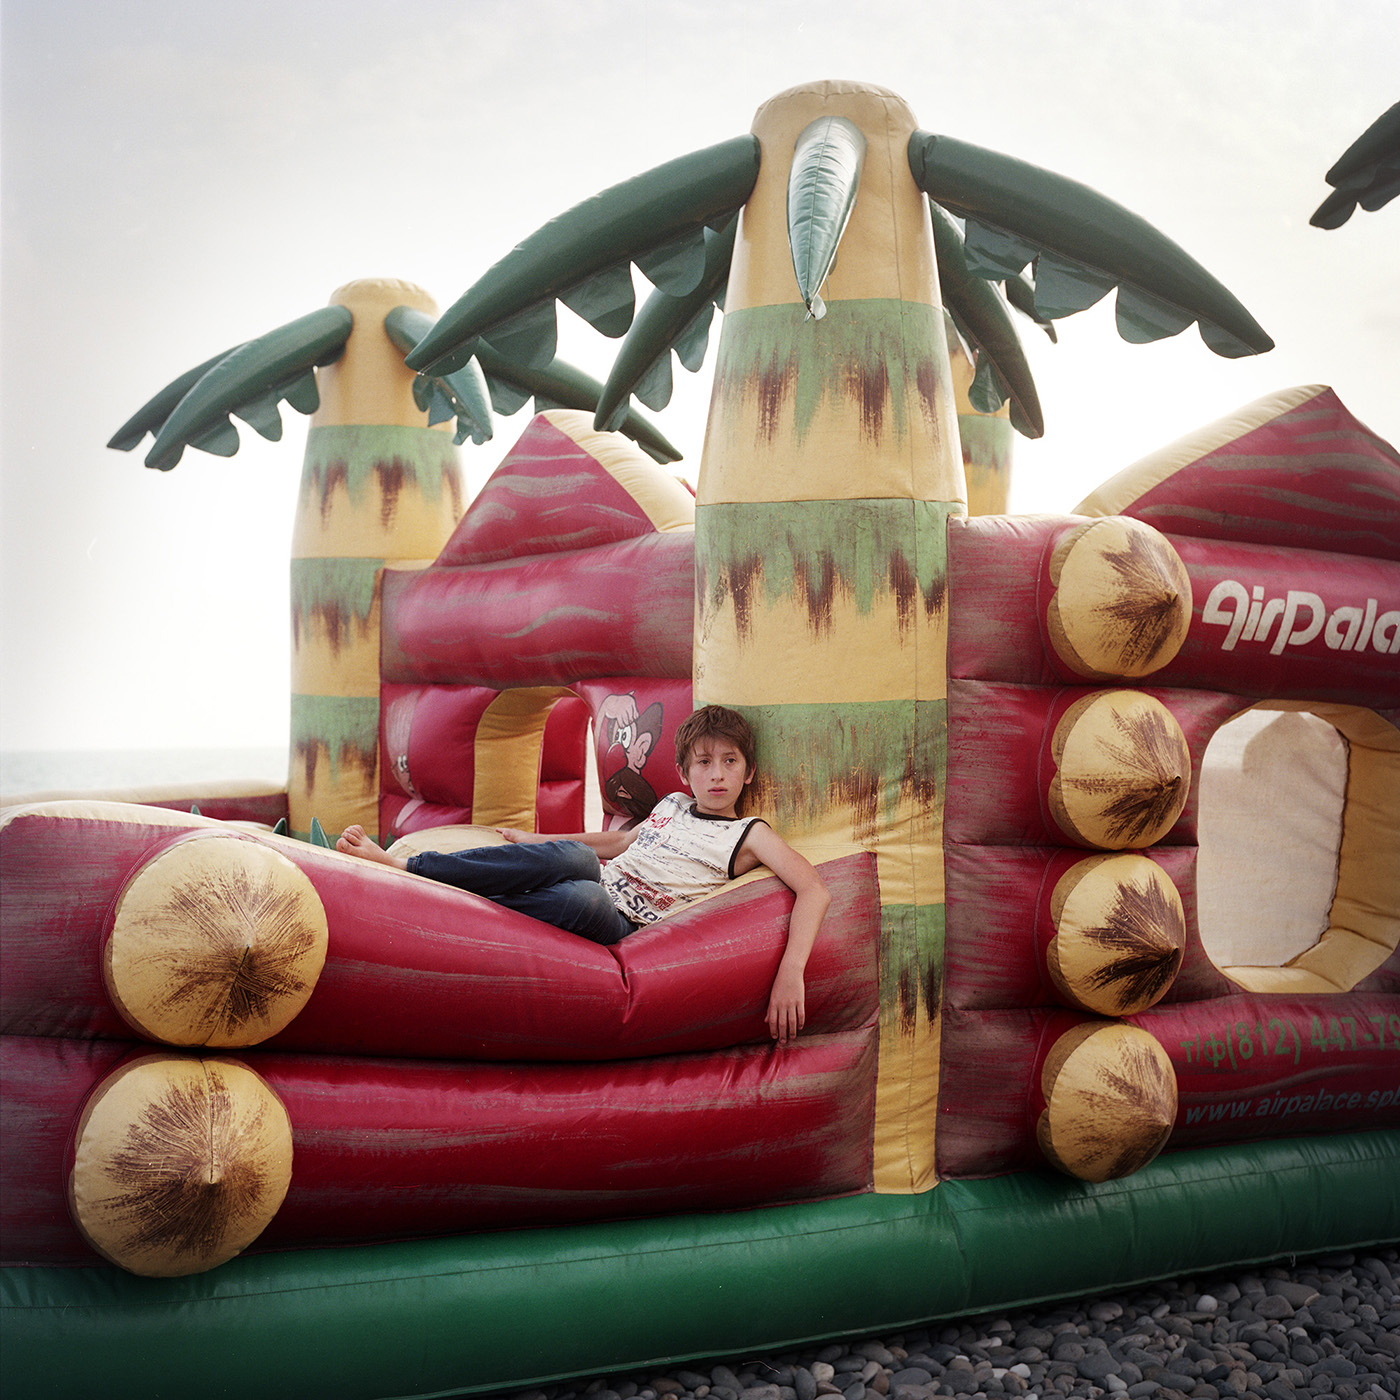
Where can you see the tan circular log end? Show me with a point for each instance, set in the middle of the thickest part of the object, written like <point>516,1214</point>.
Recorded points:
<point>180,1163</point>
<point>1122,602</point>
<point>1110,1101</point>
<point>1123,770</point>
<point>1120,931</point>
<point>216,941</point>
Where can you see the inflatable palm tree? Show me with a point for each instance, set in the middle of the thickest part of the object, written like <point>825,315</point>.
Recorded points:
<point>832,460</point>
<point>380,488</point>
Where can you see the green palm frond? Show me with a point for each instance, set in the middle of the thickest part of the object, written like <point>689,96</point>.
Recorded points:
<point>656,220</point>
<point>248,381</point>
<point>826,166</point>
<point>984,321</point>
<point>1020,292</point>
<point>1082,244</point>
<point>152,414</point>
<point>461,394</point>
<point>1366,173</point>
<point>510,386</point>
<point>666,323</point>
<point>560,385</point>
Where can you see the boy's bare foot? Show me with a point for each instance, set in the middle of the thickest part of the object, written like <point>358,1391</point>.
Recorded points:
<point>354,841</point>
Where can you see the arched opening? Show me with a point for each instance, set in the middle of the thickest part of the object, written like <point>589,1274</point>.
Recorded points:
<point>1298,876</point>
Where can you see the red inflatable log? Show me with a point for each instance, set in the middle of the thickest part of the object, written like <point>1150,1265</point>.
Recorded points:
<point>1246,1066</point>
<point>420,969</point>
<point>1275,1066</point>
<point>388,1148</point>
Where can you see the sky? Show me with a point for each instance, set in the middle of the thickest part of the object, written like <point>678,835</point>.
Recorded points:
<point>176,179</point>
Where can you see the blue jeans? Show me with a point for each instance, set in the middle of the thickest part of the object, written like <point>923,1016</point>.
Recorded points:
<point>556,882</point>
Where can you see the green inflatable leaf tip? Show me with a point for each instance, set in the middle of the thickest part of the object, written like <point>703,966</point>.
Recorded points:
<point>281,828</point>
<point>194,811</point>
<point>248,381</point>
<point>826,166</point>
<point>318,835</point>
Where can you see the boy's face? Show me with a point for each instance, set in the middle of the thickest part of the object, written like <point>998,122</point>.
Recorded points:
<point>716,774</point>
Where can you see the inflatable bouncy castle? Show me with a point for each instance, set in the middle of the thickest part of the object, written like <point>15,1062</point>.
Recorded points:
<point>1088,1007</point>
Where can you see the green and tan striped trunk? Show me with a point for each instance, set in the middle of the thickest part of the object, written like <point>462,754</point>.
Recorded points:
<point>378,487</point>
<point>986,439</point>
<point>831,466</point>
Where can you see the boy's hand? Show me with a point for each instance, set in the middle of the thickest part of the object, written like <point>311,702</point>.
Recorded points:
<point>787,1006</point>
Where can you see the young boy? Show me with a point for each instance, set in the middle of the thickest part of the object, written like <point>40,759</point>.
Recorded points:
<point>685,848</point>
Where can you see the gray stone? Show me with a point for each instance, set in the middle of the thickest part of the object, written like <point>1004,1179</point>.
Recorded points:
<point>1098,1366</point>
<point>1336,1366</point>
<point>911,1375</point>
<point>1139,1356</point>
<point>875,1351</point>
<point>1298,1294</point>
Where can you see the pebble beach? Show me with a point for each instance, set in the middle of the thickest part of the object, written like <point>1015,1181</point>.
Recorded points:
<point>1323,1326</point>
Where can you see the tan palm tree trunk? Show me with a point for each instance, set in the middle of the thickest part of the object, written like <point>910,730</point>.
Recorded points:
<point>831,466</point>
<point>986,439</point>
<point>379,488</point>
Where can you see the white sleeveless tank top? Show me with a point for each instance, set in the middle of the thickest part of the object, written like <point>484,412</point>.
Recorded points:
<point>677,856</point>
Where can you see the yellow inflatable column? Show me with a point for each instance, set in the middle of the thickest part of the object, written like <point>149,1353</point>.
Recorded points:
<point>986,438</point>
<point>831,466</point>
<point>378,487</point>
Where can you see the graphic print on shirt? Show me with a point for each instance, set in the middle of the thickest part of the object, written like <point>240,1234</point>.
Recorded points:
<point>677,857</point>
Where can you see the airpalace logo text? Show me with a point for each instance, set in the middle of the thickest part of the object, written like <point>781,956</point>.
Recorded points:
<point>1297,618</point>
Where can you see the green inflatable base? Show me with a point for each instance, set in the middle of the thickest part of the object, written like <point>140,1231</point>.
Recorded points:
<point>485,1312</point>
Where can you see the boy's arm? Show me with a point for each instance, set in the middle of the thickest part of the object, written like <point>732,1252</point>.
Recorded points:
<point>787,1007</point>
<point>608,844</point>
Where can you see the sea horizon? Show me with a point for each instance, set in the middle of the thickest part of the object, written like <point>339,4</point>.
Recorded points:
<point>26,771</point>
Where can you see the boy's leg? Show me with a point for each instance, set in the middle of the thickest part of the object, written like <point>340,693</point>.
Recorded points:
<point>556,882</point>
<point>495,871</point>
<point>577,906</point>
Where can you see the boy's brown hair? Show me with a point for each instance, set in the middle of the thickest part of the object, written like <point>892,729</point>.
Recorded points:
<point>714,722</point>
